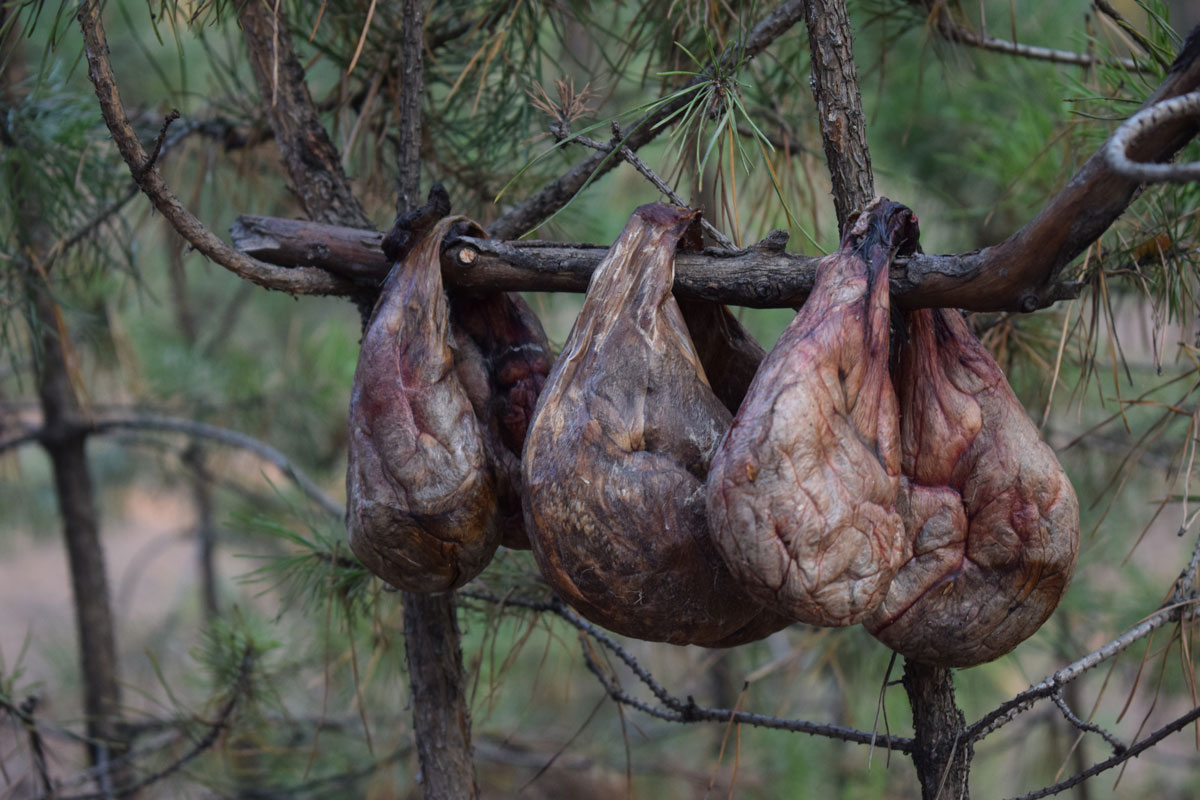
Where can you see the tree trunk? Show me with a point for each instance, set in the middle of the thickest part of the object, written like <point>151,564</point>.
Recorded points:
<point>441,718</point>
<point>943,762</point>
<point>65,443</point>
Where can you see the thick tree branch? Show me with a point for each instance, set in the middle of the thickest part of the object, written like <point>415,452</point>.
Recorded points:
<point>295,281</point>
<point>763,276</point>
<point>839,106</point>
<point>312,162</point>
<point>536,209</point>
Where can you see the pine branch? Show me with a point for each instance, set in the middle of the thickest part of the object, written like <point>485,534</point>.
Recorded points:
<point>150,181</point>
<point>313,163</point>
<point>675,709</point>
<point>531,213</point>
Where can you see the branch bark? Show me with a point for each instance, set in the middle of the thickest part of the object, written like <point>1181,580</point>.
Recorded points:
<point>312,162</point>
<point>941,753</point>
<point>839,106</point>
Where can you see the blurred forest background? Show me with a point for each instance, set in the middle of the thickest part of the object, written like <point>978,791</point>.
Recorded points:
<point>278,671</point>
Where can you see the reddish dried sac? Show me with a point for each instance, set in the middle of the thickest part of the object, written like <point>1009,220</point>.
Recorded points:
<point>421,500</point>
<point>617,453</point>
<point>502,357</point>
<point>992,520</point>
<point>802,493</point>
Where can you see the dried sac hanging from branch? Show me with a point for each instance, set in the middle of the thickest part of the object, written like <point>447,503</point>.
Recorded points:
<point>502,357</point>
<point>992,520</point>
<point>617,453</point>
<point>802,493</point>
<point>422,510</point>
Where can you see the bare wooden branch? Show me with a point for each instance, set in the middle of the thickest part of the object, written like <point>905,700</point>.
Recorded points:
<point>941,753</point>
<point>839,106</point>
<point>951,30</point>
<point>1139,747</point>
<point>534,210</point>
<point>1010,709</point>
<point>763,276</point>
<point>150,181</point>
<point>1182,107</point>
<point>312,162</point>
<point>675,709</point>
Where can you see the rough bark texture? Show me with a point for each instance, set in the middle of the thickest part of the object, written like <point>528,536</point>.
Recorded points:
<point>992,521</point>
<point>615,459</point>
<point>839,106</point>
<point>95,630</point>
<point>802,493</point>
<point>941,754</point>
<point>65,444</point>
<point>764,276</point>
<point>412,91</point>
<point>312,162</point>
<point>421,500</point>
<point>441,718</point>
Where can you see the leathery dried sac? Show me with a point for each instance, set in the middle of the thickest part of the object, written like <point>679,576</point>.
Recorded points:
<point>992,520</point>
<point>802,492</point>
<point>616,456</point>
<point>421,501</point>
<point>502,358</point>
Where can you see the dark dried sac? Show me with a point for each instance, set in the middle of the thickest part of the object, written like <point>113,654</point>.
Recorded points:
<point>502,357</point>
<point>729,354</point>
<point>615,459</point>
<point>421,501</point>
<point>992,520</point>
<point>802,493</point>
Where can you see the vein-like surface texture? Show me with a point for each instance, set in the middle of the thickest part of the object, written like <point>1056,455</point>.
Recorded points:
<point>502,358</point>
<point>617,453</point>
<point>992,520</point>
<point>802,493</point>
<point>421,500</point>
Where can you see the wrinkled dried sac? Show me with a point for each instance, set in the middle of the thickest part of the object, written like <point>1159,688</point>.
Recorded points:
<point>802,492</point>
<point>616,456</point>
<point>421,500</point>
<point>992,520</point>
<point>502,358</point>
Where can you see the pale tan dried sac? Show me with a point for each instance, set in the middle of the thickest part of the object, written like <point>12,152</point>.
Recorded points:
<point>617,453</point>
<point>992,520</point>
<point>802,493</point>
<point>422,510</point>
<point>502,357</point>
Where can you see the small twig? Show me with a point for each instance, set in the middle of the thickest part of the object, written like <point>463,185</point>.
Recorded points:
<point>677,710</point>
<point>1187,105</point>
<point>1117,745</point>
<point>1010,709</point>
<point>158,142</point>
<point>562,133</point>
<point>1176,725</point>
